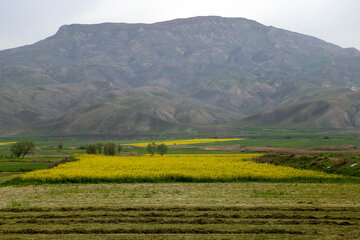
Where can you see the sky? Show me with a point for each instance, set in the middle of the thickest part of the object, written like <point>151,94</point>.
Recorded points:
<point>25,22</point>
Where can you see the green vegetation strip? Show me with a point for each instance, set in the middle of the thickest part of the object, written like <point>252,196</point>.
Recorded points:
<point>347,164</point>
<point>17,181</point>
<point>22,166</point>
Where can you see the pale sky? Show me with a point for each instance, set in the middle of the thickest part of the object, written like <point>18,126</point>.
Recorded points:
<point>25,22</point>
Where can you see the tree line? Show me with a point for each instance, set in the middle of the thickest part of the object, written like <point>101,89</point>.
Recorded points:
<point>110,149</point>
<point>21,148</point>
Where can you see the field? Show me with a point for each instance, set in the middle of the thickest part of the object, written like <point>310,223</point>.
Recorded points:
<point>5,143</point>
<point>188,141</point>
<point>171,168</point>
<point>184,209</point>
<point>181,211</point>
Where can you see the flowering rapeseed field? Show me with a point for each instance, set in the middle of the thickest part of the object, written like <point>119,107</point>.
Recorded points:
<point>188,141</point>
<point>6,143</point>
<point>191,168</point>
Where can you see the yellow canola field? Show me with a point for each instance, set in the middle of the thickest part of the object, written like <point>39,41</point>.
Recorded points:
<point>6,143</point>
<point>192,168</point>
<point>188,141</point>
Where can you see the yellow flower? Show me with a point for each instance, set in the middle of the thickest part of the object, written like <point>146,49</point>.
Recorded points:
<point>188,141</point>
<point>6,143</point>
<point>207,167</point>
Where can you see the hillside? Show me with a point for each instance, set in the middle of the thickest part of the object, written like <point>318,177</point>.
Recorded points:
<point>336,114</point>
<point>195,71</point>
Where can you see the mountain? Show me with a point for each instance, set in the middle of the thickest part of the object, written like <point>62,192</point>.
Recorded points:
<point>341,113</point>
<point>192,72</point>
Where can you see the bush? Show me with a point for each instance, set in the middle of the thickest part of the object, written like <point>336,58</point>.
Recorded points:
<point>22,148</point>
<point>91,149</point>
<point>151,148</point>
<point>162,149</point>
<point>109,149</point>
<point>64,160</point>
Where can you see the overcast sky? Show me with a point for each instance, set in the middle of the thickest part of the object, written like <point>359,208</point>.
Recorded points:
<point>27,21</point>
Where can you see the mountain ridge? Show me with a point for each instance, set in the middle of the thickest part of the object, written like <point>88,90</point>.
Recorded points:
<point>225,69</point>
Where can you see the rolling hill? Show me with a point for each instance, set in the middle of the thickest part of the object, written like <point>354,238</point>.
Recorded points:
<point>341,113</point>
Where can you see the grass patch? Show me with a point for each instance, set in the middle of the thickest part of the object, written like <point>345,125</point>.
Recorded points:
<point>22,166</point>
<point>5,176</point>
<point>339,163</point>
<point>192,194</point>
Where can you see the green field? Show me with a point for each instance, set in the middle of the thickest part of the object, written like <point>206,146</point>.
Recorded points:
<point>346,164</point>
<point>243,210</point>
<point>292,142</point>
<point>22,166</point>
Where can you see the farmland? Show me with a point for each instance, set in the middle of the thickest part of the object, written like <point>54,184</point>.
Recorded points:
<point>138,207</point>
<point>178,168</point>
<point>181,210</point>
<point>190,141</point>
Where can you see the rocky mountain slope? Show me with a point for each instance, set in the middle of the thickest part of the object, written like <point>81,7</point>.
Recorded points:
<point>197,71</point>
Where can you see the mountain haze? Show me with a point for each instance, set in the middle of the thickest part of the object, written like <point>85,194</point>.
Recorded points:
<point>175,76</point>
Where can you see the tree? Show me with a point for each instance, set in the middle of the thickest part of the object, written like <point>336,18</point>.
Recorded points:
<point>16,149</point>
<point>22,148</point>
<point>151,148</point>
<point>60,146</point>
<point>91,149</point>
<point>99,147</point>
<point>120,148</point>
<point>162,149</point>
<point>109,149</point>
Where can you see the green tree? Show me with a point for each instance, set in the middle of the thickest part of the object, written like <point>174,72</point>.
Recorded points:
<point>120,148</point>
<point>151,148</point>
<point>22,148</point>
<point>162,149</point>
<point>110,149</point>
<point>60,146</point>
<point>99,147</point>
<point>91,149</point>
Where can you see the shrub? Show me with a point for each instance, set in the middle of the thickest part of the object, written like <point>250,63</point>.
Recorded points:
<point>109,149</point>
<point>151,148</point>
<point>64,160</point>
<point>91,149</point>
<point>162,149</point>
<point>22,148</point>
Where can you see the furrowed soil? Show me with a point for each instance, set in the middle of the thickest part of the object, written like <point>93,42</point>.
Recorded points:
<point>181,211</point>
